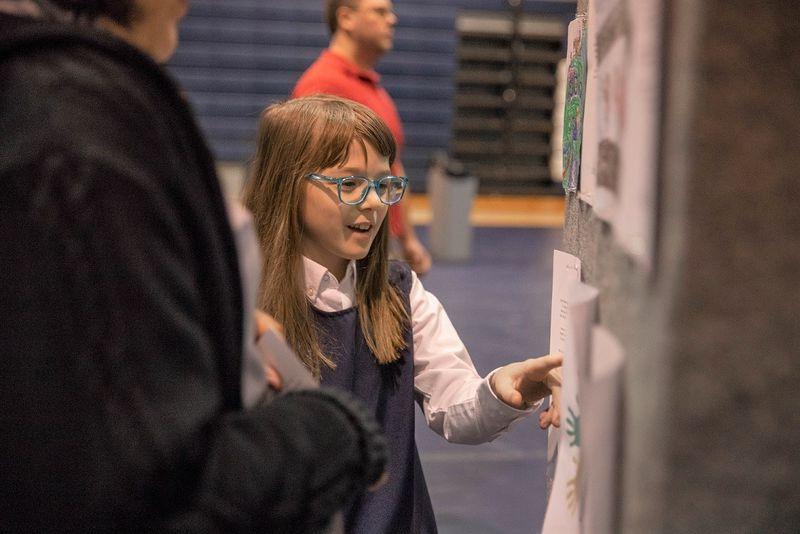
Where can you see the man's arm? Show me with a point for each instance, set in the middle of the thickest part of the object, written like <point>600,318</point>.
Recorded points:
<point>414,251</point>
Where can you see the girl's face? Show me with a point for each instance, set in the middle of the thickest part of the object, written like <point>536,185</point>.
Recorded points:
<point>335,233</point>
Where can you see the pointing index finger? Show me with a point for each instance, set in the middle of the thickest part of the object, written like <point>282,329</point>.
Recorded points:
<point>547,362</point>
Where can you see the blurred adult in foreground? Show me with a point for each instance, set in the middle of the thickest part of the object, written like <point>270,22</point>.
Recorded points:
<point>122,313</point>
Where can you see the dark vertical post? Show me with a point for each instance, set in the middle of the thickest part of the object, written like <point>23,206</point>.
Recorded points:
<point>512,92</point>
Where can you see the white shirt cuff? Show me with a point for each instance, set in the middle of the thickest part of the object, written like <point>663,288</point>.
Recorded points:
<point>490,401</point>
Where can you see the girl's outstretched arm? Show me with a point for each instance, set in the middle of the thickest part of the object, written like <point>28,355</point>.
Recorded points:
<point>458,403</point>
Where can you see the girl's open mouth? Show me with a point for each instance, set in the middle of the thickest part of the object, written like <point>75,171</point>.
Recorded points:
<point>362,228</point>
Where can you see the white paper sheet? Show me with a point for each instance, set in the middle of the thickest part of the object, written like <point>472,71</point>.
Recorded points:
<point>601,427</point>
<point>611,56</point>
<point>634,221</point>
<point>563,508</point>
<point>566,269</point>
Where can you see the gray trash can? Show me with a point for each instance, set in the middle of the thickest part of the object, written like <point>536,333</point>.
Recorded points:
<point>451,190</point>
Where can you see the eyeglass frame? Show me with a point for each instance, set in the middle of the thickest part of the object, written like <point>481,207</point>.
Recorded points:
<point>371,184</point>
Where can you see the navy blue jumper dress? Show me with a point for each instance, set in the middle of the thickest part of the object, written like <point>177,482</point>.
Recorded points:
<point>402,505</point>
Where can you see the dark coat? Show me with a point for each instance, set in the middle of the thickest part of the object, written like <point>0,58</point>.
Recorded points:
<point>121,316</point>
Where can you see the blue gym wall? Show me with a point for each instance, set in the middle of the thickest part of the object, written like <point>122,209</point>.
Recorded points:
<point>238,56</point>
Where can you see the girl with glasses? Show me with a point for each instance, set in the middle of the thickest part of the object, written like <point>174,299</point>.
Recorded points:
<point>319,193</point>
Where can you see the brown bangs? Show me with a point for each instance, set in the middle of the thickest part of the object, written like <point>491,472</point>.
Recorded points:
<point>340,123</point>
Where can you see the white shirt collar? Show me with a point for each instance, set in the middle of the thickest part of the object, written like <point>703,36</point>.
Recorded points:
<point>324,291</point>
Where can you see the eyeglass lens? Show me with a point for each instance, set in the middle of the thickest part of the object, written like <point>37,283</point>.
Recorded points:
<point>356,188</point>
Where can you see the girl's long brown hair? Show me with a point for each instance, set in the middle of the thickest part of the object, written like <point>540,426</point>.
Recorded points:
<point>295,138</point>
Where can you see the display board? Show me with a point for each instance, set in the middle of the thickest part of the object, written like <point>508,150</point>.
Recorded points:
<point>694,254</point>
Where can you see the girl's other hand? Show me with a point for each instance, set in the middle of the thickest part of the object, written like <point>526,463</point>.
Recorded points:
<point>266,322</point>
<point>273,378</point>
<point>552,416</point>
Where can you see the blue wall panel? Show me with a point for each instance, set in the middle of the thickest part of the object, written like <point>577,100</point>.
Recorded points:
<point>238,56</point>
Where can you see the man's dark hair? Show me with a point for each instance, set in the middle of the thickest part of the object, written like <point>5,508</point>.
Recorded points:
<point>120,11</point>
<point>331,7</point>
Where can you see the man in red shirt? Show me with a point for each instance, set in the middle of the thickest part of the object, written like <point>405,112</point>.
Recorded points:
<point>361,33</point>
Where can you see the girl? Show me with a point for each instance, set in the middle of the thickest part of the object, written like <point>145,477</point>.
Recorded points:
<point>319,193</point>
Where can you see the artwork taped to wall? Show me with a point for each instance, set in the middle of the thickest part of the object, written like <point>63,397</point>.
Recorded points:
<point>611,55</point>
<point>574,103</point>
<point>566,271</point>
<point>565,504</point>
<point>622,116</point>
<point>588,169</point>
<point>585,493</point>
<point>634,221</point>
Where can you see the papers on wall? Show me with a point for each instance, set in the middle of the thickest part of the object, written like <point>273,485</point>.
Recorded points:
<point>586,487</point>
<point>610,23</point>
<point>634,222</point>
<point>574,103</point>
<point>566,269</point>
<point>601,418</point>
<point>620,146</point>
<point>578,303</point>
<point>582,304</point>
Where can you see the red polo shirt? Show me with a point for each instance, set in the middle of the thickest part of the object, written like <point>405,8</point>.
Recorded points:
<point>334,75</point>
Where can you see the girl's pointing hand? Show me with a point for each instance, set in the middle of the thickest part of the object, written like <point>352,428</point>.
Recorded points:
<point>522,383</point>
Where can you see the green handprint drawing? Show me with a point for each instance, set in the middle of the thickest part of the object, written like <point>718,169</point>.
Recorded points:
<point>574,428</point>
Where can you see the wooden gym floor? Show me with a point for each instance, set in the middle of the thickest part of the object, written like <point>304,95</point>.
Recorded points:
<point>501,211</point>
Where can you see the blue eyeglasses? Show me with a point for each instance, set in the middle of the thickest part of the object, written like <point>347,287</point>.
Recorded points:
<point>353,190</point>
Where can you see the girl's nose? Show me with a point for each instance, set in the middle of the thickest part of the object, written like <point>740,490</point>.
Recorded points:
<point>372,201</point>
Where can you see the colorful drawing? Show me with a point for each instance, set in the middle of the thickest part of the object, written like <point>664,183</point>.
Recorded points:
<point>574,104</point>
<point>574,486</point>
<point>573,428</point>
<point>572,311</point>
<point>574,483</point>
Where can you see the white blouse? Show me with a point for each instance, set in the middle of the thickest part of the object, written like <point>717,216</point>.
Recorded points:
<point>458,404</point>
